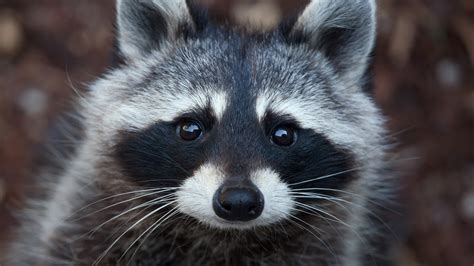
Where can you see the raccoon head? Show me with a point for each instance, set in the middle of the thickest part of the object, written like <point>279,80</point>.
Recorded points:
<point>244,130</point>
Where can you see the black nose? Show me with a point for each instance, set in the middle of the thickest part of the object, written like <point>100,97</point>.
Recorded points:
<point>238,203</point>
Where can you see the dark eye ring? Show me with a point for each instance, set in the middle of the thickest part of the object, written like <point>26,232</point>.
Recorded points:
<point>283,135</point>
<point>189,130</point>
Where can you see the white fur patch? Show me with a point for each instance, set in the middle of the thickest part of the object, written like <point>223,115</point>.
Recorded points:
<point>278,202</point>
<point>261,107</point>
<point>196,195</point>
<point>219,104</point>
<point>142,111</point>
<point>357,134</point>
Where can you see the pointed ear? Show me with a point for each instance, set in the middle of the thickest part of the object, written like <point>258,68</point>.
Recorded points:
<point>145,25</point>
<point>343,30</point>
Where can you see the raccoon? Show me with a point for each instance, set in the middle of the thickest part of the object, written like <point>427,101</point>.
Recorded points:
<point>212,145</point>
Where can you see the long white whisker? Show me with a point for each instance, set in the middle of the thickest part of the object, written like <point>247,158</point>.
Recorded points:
<point>332,216</point>
<point>97,261</point>
<point>122,202</point>
<point>118,195</point>
<point>326,176</point>
<point>312,233</point>
<point>348,193</point>
<point>149,230</point>
<point>74,89</point>
<point>148,203</point>
<point>125,223</point>
<point>338,201</point>
<point>145,204</point>
<point>323,212</point>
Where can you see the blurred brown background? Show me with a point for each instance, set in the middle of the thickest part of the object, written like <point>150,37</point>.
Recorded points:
<point>424,81</point>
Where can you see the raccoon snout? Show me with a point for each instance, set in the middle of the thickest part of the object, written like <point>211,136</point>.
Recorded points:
<point>238,203</point>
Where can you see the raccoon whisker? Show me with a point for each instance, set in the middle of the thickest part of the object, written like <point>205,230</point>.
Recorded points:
<point>400,132</point>
<point>152,202</point>
<point>262,245</point>
<point>313,208</point>
<point>354,230</point>
<point>148,232</point>
<point>312,213</point>
<point>162,219</point>
<point>307,195</point>
<point>338,220</point>
<point>122,202</point>
<point>349,171</point>
<point>147,204</point>
<point>326,176</point>
<point>126,222</point>
<point>333,218</point>
<point>76,91</point>
<point>97,261</point>
<point>349,193</point>
<point>117,195</point>
<point>302,226</point>
<point>283,229</point>
<point>338,201</point>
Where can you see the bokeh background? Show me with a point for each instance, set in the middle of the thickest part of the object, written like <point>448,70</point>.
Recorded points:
<point>424,82</point>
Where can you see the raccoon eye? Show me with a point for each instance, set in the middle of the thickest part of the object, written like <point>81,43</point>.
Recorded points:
<point>189,130</point>
<point>283,136</point>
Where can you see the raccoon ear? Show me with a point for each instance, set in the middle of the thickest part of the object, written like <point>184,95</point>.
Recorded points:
<point>146,25</point>
<point>342,30</point>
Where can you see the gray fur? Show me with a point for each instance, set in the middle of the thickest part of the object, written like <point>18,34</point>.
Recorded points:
<point>146,25</point>
<point>322,90</point>
<point>343,30</point>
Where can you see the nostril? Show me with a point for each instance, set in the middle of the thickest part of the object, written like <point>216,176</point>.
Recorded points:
<point>226,205</point>
<point>252,208</point>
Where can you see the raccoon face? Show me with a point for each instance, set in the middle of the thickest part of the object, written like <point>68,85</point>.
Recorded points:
<point>244,130</point>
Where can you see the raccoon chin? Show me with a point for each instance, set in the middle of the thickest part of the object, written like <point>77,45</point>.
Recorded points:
<point>197,196</point>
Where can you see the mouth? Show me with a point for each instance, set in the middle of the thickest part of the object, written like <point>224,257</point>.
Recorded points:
<point>234,225</point>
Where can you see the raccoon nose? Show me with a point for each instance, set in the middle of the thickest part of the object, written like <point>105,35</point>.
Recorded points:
<point>238,203</point>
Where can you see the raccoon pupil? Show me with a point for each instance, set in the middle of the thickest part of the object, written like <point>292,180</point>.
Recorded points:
<point>189,130</point>
<point>283,136</point>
